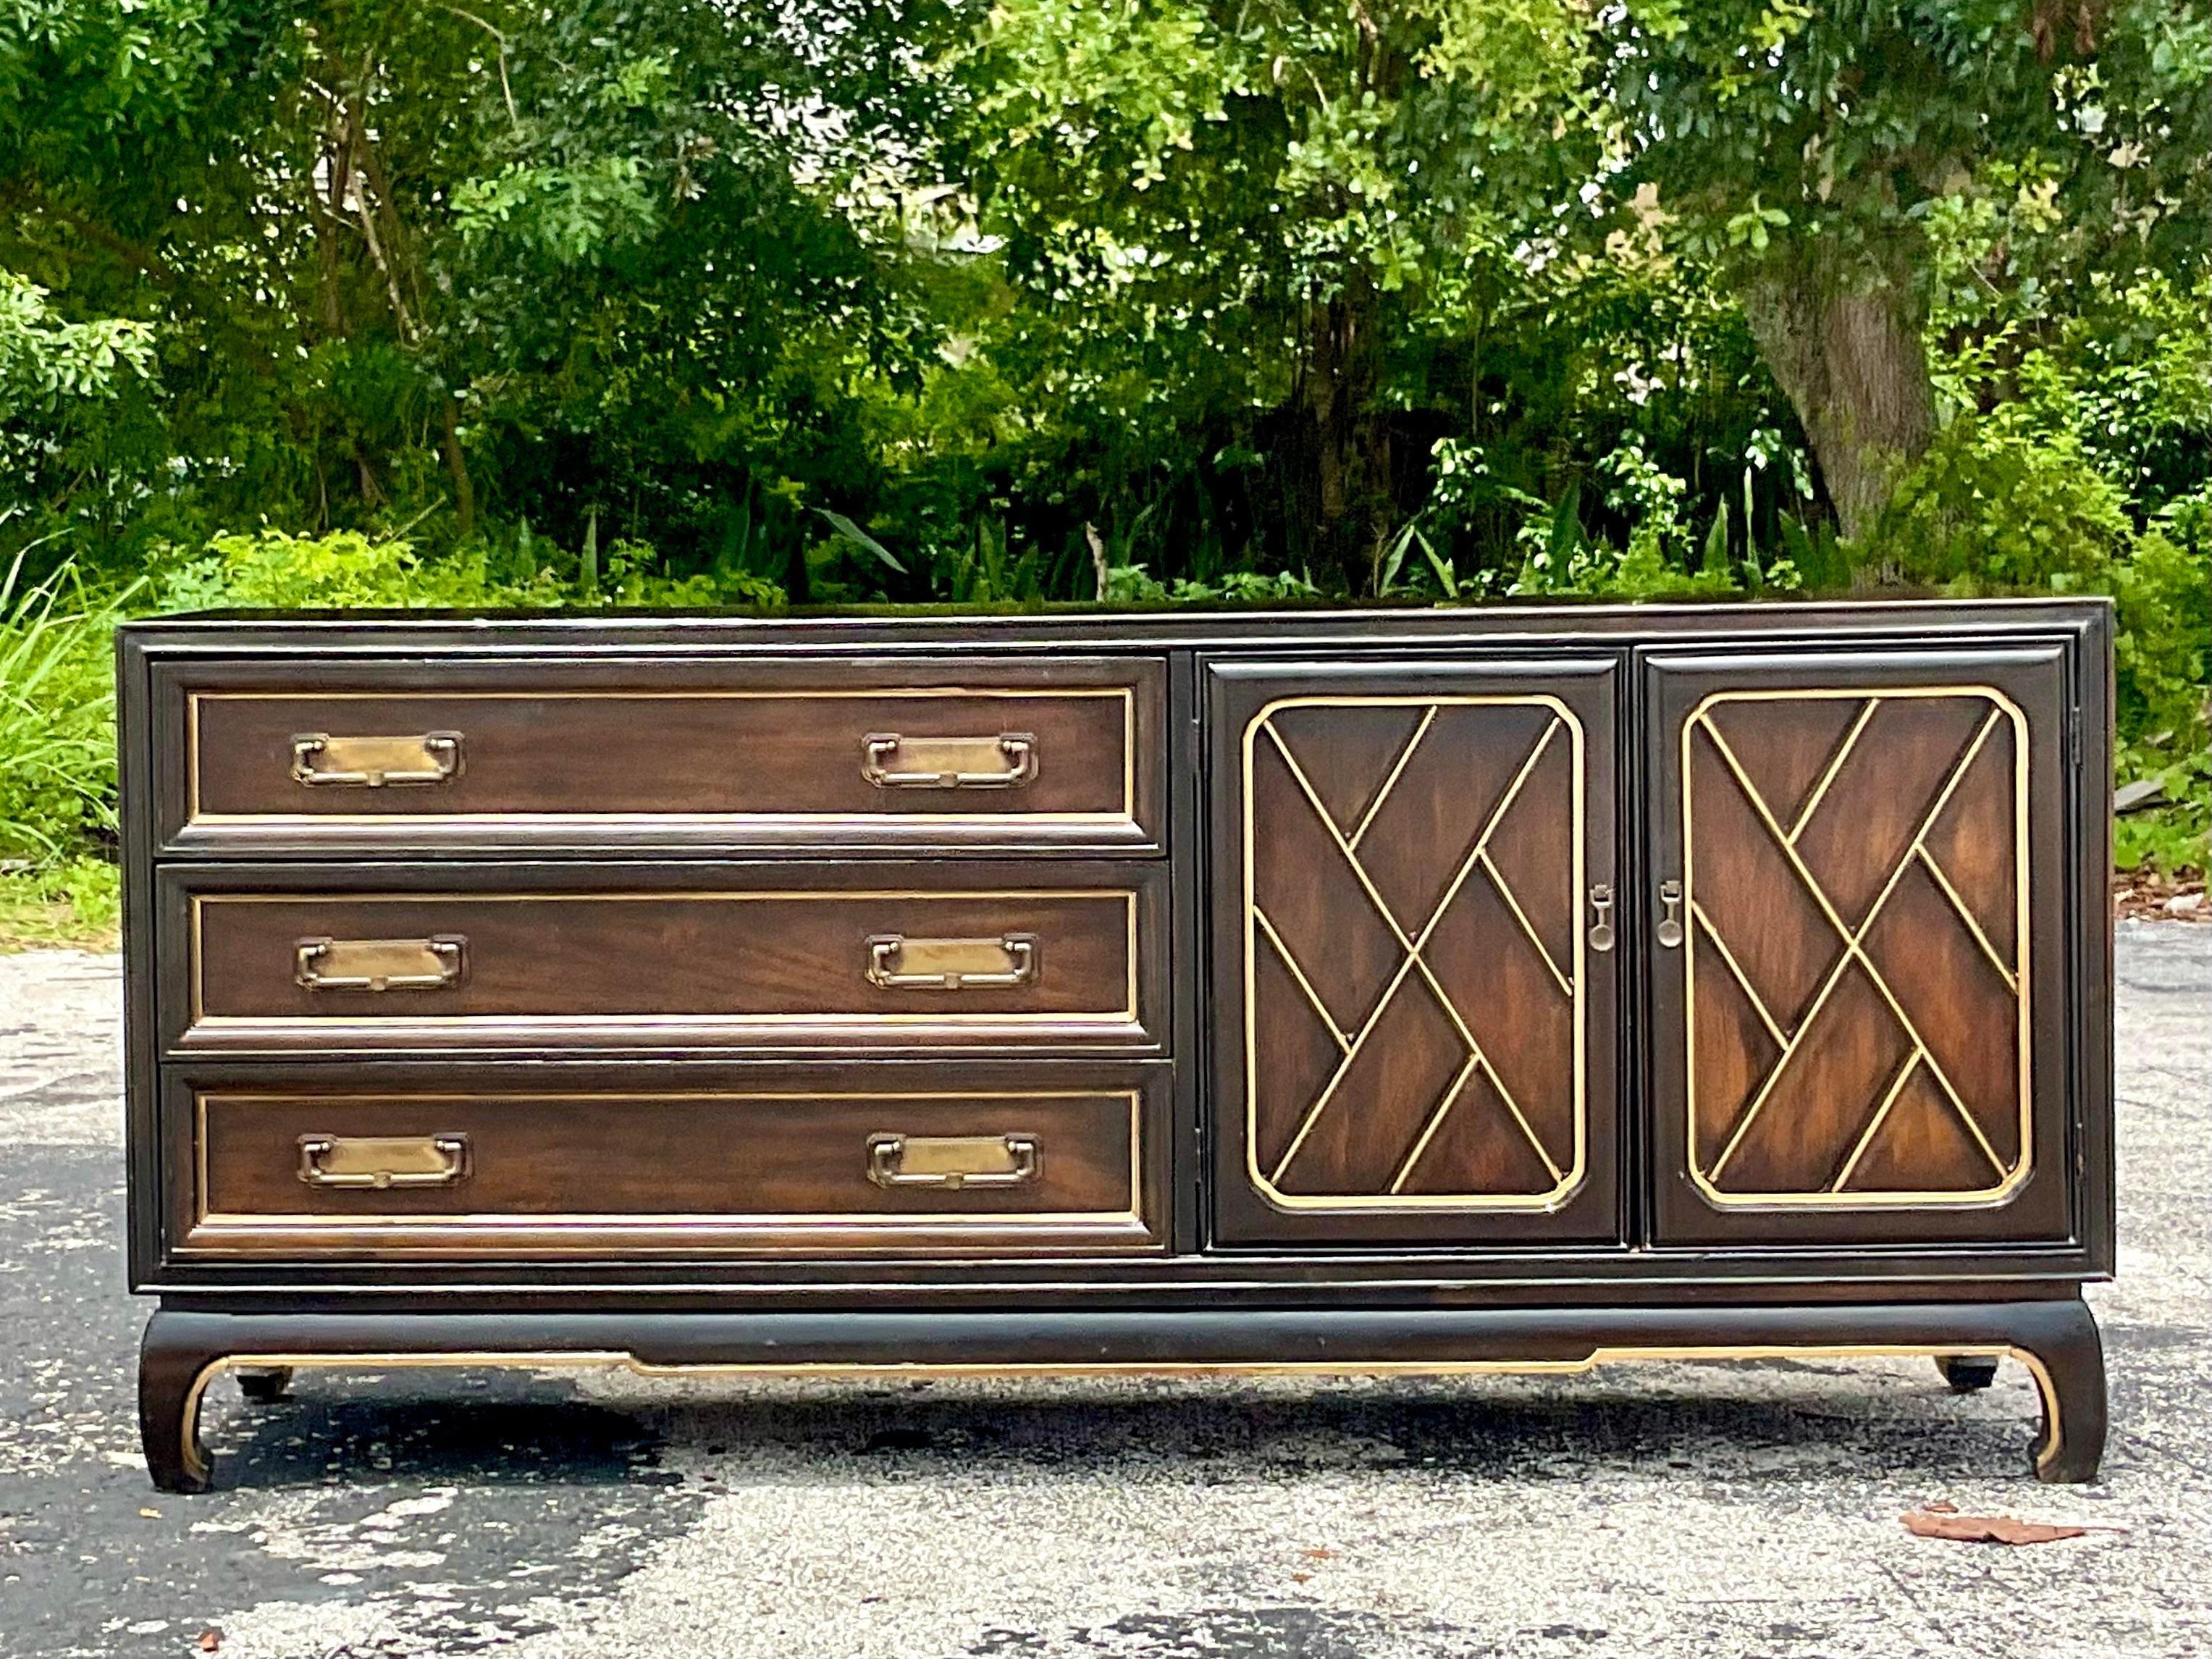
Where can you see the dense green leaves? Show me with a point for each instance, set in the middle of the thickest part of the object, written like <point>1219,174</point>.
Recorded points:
<point>1001,301</point>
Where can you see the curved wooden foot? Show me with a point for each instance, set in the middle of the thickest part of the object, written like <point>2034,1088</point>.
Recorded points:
<point>2059,1340</point>
<point>1967,1373</point>
<point>265,1385</point>
<point>172,1373</point>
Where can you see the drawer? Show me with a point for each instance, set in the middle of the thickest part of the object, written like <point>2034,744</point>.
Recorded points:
<point>303,1169</point>
<point>1012,755</point>
<point>661,957</point>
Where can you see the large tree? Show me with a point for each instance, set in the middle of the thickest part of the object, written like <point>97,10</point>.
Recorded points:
<point>1270,205</point>
<point>584,261</point>
<point>1800,147</point>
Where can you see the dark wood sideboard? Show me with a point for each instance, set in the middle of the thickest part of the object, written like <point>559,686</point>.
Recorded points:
<point>1418,991</point>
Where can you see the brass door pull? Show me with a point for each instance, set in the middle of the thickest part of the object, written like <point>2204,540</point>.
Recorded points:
<point>1601,933</point>
<point>892,762</point>
<point>380,964</point>
<point>1670,918</point>
<point>953,1161</point>
<point>320,759</point>
<point>898,963</point>
<point>384,1161</point>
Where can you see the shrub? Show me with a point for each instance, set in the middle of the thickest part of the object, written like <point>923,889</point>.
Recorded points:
<point>57,716</point>
<point>1999,506</point>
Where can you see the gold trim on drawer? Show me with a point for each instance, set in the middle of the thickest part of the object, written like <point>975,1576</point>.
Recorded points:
<point>389,1233</point>
<point>1126,1015</point>
<point>1127,694</point>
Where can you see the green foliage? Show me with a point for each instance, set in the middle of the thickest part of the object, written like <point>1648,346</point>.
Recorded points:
<point>1998,508</point>
<point>47,362</point>
<point>271,570</point>
<point>78,901</point>
<point>661,302</point>
<point>56,715</point>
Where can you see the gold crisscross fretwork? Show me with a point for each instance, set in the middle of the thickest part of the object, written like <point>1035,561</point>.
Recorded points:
<point>1261,932</point>
<point>1790,1041</point>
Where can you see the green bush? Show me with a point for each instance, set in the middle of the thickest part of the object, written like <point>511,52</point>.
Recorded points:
<point>57,716</point>
<point>2003,504</point>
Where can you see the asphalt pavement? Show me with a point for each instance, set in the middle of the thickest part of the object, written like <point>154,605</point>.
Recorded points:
<point>1691,1511</point>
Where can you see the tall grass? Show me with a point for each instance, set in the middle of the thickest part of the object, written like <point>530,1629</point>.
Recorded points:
<point>56,715</point>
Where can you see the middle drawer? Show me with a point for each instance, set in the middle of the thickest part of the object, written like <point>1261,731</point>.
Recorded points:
<point>279,959</point>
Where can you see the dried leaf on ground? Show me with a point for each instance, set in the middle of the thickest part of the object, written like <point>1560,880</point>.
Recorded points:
<point>1944,1520</point>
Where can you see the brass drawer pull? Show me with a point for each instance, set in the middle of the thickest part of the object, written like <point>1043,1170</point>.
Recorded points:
<point>380,964</point>
<point>898,963</point>
<point>1006,761</point>
<point>320,759</point>
<point>384,1161</point>
<point>952,1161</point>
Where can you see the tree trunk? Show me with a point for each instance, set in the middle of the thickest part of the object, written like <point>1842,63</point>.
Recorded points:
<point>1850,356</point>
<point>1342,377</point>
<point>457,465</point>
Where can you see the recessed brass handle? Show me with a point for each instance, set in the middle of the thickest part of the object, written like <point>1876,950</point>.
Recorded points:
<point>320,760</point>
<point>384,1161</point>
<point>892,762</point>
<point>896,963</point>
<point>380,964</point>
<point>953,1161</point>
<point>1670,918</point>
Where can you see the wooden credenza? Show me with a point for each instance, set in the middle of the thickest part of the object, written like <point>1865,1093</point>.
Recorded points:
<point>1412,991</point>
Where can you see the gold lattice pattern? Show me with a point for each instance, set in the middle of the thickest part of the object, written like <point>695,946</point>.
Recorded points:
<point>1413,934</point>
<point>1845,927</point>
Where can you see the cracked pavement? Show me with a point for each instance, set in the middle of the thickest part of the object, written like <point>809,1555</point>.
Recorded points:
<point>1707,1511</point>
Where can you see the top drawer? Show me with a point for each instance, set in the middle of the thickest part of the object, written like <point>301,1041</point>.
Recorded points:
<point>262,758</point>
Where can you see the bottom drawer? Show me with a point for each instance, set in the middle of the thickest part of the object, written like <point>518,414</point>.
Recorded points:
<point>299,1171</point>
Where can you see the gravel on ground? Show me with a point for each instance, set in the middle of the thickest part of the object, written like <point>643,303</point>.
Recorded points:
<point>1705,1511</point>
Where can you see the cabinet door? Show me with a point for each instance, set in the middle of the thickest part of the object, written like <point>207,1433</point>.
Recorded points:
<point>1855,914</point>
<point>1413,955</point>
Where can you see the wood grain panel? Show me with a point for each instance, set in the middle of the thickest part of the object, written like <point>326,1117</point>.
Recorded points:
<point>1883,793</point>
<point>1310,898</point>
<point>1477,1147</point>
<point>1922,1145</point>
<point>1348,754</point>
<point>1968,1018</point>
<point>1853,949</point>
<point>1511,996</point>
<point>1751,894</point>
<point>787,958</point>
<point>1428,902</point>
<point>657,1171</point>
<point>1972,843</point>
<point>605,752</point>
<point>577,755</point>
<point>1734,1047</point>
<point>1445,797</point>
<point>1806,1121</point>
<point>1356,1142</point>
